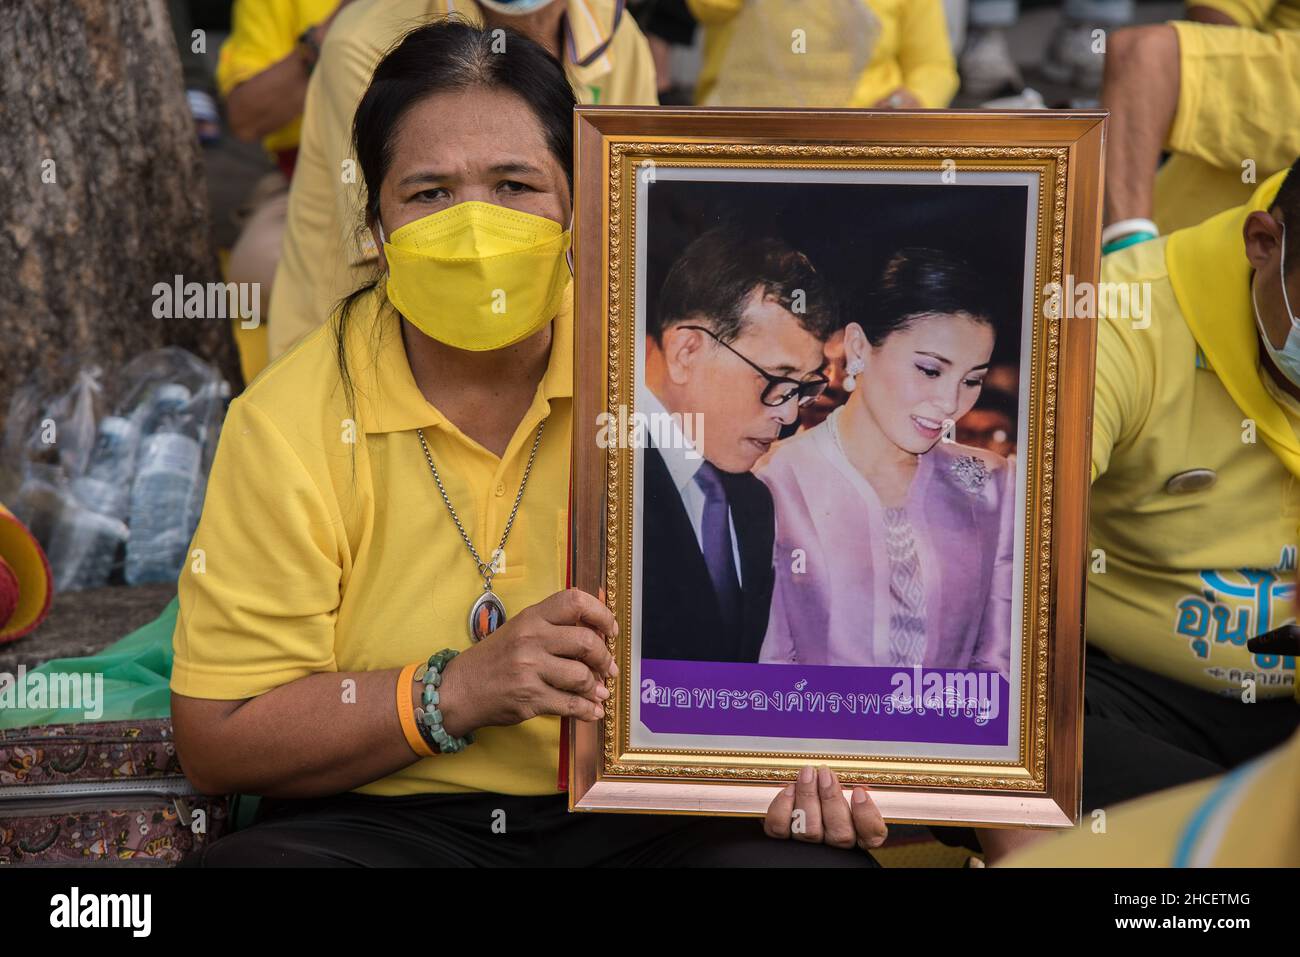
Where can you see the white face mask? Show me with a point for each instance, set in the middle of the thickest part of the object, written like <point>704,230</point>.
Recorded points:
<point>1287,359</point>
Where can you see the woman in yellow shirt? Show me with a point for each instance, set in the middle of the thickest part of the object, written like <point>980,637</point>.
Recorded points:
<point>374,634</point>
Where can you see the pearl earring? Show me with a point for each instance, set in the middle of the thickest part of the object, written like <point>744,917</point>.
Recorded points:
<point>854,370</point>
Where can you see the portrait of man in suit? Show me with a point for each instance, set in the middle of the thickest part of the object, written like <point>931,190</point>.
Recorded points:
<point>737,343</point>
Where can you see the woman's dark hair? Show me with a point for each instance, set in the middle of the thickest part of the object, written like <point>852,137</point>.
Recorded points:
<point>918,282</point>
<point>451,55</point>
<point>447,56</point>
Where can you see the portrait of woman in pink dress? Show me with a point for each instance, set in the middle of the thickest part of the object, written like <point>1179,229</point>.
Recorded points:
<point>895,545</point>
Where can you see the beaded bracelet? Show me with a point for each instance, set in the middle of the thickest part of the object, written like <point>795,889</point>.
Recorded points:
<point>429,718</point>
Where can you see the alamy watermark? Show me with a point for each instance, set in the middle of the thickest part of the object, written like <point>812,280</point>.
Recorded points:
<point>209,300</point>
<point>65,691</point>
<point>1118,301</point>
<point>660,430</point>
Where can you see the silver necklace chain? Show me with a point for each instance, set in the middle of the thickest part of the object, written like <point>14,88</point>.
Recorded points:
<point>485,569</point>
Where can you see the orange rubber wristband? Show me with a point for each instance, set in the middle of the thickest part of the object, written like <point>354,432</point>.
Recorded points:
<point>406,712</point>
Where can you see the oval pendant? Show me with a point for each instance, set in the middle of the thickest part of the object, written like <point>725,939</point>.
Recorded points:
<point>487,615</point>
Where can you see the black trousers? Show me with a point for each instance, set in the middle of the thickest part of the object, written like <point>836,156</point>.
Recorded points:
<point>496,830</point>
<point>1143,732</point>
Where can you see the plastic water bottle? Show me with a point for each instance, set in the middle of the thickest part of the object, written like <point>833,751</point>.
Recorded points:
<point>206,411</point>
<point>112,464</point>
<point>165,477</point>
<point>90,531</point>
<point>40,501</point>
<point>84,547</point>
<point>166,403</point>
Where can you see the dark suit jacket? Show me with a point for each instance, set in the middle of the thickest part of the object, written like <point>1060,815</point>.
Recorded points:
<point>680,618</point>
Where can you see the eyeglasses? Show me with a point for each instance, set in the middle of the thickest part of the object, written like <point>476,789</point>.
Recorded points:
<point>779,389</point>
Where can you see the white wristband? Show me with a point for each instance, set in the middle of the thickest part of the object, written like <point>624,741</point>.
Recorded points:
<point>1126,226</point>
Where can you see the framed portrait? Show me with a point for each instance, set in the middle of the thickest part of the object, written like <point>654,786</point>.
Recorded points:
<point>831,455</point>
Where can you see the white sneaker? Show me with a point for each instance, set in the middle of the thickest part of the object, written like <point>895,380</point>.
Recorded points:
<point>1076,56</point>
<point>986,64</point>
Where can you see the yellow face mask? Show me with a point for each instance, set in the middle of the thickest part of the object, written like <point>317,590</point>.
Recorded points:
<point>478,276</point>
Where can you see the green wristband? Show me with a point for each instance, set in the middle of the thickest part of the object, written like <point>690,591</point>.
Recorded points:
<point>1132,239</point>
<point>428,716</point>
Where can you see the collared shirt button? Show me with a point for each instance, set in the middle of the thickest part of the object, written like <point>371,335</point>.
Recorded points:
<point>501,489</point>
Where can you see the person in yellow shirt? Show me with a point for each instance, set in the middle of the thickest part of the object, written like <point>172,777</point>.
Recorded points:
<point>262,74</point>
<point>1248,818</point>
<point>373,632</point>
<point>1195,502</point>
<point>883,54</point>
<point>1220,91</point>
<point>326,252</point>
<point>264,65</point>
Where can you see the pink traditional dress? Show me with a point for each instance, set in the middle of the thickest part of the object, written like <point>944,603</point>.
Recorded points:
<point>928,583</point>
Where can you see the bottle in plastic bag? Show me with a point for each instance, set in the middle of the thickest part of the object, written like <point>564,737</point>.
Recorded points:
<point>91,529</point>
<point>40,500</point>
<point>89,534</point>
<point>207,411</point>
<point>166,403</point>
<point>165,478</point>
<point>113,463</point>
<point>84,547</point>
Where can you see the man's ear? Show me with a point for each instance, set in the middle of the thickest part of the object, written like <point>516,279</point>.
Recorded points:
<point>1263,237</point>
<point>682,348</point>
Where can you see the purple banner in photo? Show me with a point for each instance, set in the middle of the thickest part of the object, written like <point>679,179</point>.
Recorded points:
<point>799,701</point>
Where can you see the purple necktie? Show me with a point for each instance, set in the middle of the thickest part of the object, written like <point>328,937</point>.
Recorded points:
<point>716,544</point>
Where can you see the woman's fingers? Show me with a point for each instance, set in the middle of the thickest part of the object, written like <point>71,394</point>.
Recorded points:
<point>837,823</point>
<point>568,705</point>
<point>574,607</point>
<point>580,644</point>
<point>806,818</point>
<point>777,822</point>
<point>813,809</point>
<point>565,674</point>
<point>868,822</point>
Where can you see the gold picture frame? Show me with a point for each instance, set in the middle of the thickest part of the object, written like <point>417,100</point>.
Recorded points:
<point>1059,150</point>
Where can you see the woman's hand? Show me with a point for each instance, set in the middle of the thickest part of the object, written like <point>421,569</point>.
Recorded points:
<point>551,658</point>
<point>813,809</point>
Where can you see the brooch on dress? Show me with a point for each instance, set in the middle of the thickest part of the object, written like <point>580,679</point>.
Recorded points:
<point>971,473</point>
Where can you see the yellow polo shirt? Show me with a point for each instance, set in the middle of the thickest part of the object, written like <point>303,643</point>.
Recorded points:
<point>262,33</point>
<point>1248,818</point>
<point>1258,14</point>
<point>325,546</point>
<point>1181,577</point>
<point>326,253</point>
<point>912,50</point>
<point>1238,94</point>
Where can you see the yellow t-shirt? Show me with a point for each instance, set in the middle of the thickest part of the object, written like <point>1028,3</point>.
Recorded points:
<point>1249,818</point>
<point>1179,581</point>
<point>327,548</point>
<point>326,254</point>
<point>262,33</point>
<point>1260,14</point>
<point>912,50</point>
<point>1238,91</point>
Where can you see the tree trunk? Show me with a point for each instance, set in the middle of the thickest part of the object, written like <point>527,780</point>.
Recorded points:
<point>101,190</point>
